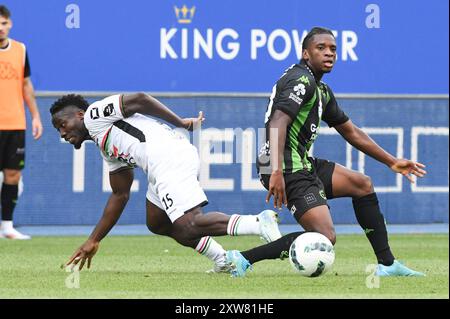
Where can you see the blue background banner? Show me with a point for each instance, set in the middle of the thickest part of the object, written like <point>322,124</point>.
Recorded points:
<point>223,46</point>
<point>63,187</point>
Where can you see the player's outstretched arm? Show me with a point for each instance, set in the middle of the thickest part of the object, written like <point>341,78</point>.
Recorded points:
<point>146,104</point>
<point>407,168</point>
<point>361,141</point>
<point>121,184</point>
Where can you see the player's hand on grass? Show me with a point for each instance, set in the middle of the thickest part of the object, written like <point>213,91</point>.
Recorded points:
<point>408,168</point>
<point>83,254</point>
<point>277,188</point>
<point>192,124</point>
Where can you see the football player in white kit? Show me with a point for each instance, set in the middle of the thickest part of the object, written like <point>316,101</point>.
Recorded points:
<point>127,138</point>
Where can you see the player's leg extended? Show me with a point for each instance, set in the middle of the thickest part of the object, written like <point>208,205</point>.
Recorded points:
<point>159,223</point>
<point>307,202</point>
<point>348,183</point>
<point>264,224</point>
<point>316,219</point>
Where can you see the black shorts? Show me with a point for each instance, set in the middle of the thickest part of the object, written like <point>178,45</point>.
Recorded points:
<point>305,189</point>
<point>12,149</point>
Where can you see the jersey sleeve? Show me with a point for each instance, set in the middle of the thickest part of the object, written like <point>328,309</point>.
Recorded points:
<point>333,115</point>
<point>294,94</point>
<point>102,114</point>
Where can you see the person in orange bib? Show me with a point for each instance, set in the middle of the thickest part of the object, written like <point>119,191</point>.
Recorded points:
<point>15,87</point>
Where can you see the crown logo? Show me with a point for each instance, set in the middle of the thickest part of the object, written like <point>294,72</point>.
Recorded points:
<point>184,15</point>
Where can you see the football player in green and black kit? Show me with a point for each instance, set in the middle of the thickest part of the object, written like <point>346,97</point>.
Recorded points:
<point>299,101</point>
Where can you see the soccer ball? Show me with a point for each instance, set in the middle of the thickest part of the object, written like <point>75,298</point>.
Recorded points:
<point>311,254</point>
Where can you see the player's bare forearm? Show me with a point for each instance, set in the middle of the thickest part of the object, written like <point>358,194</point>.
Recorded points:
<point>114,208</point>
<point>361,141</point>
<point>120,181</point>
<point>146,104</point>
<point>30,99</point>
<point>278,129</point>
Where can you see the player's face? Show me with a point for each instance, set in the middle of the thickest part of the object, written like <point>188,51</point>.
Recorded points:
<point>321,53</point>
<point>5,26</point>
<point>70,125</point>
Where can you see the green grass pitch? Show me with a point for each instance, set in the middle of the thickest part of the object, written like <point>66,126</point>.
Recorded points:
<point>158,267</point>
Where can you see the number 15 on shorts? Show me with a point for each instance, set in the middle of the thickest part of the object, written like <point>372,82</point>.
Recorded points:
<point>168,202</point>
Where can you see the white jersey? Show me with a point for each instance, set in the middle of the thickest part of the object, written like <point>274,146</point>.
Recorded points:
<point>137,140</point>
<point>170,161</point>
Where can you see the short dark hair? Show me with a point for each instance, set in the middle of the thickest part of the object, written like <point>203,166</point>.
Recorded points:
<point>69,100</point>
<point>312,33</point>
<point>4,12</point>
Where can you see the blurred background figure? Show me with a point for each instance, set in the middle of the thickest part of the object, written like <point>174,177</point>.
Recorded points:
<point>15,87</point>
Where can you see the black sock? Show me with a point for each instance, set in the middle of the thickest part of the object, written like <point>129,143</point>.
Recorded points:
<point>368,214</point>
<point>8,200</point>
<point>274,250</point>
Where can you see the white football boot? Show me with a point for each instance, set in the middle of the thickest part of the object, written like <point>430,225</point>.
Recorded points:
<point>13,234</point>
<point>268,225</point>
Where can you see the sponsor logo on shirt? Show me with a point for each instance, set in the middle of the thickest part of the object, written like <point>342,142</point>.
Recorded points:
<point>300,89</point>
<point>295,98</point>
<point>122,157</point>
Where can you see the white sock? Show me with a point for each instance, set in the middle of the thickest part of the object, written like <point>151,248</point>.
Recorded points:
<point>6,225</point>
<point>208,247</point>
<point>243,225</point>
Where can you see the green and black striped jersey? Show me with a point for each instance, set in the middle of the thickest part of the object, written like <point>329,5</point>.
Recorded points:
<point>307,102</point>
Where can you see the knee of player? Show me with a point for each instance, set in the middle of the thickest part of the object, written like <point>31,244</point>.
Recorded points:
<point>193,224</point>
<point>156,229</point>
<point>152,228</point>
<point>331,235</point>
<point>365,184</point>
<point>192,229</point>
<point>327,231</point>
<point>333,239</point>
<point>186,227</point>
<point>12,177</point>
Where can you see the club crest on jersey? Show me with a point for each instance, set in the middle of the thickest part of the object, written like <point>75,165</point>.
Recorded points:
<point>109,110</point>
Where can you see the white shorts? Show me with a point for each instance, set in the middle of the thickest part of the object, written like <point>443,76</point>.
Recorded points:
<point>176,189</point>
